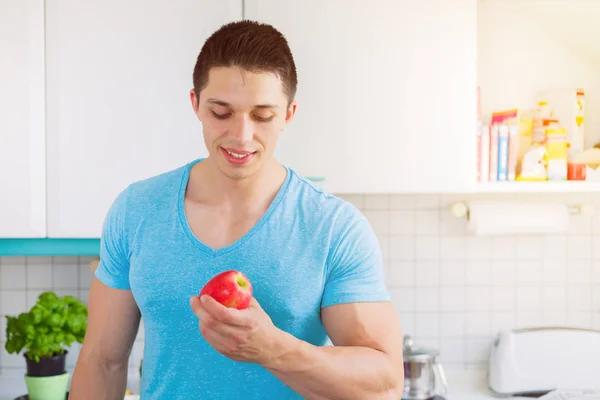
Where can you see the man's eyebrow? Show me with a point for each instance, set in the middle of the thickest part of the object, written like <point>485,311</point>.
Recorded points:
<point>219,102</point>
<point>226,104</point>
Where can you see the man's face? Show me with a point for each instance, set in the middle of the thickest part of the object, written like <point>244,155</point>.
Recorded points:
<point>242,115</point>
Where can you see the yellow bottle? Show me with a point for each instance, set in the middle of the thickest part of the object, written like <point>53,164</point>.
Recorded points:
<point>557,146</point>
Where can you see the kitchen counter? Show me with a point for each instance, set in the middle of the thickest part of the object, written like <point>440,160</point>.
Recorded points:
<point>464,384</point>
<point>469,384</point>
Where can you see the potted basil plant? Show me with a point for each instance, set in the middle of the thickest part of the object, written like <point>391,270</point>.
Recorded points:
<point>45,333</point>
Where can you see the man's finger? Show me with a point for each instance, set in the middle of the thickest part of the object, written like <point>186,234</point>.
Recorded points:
<point>199,310</point>
<point>231,333</point>
<point>226,315</point>
<point>254,304</point>
<point>194,301</point>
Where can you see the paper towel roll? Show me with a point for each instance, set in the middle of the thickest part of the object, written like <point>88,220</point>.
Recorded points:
<point>489,218</point>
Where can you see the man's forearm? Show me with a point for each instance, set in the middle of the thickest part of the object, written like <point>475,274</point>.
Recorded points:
<point>98,380</point>
<point>336,372</point>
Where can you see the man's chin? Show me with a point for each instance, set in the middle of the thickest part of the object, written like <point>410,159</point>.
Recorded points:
<point>239,172</point>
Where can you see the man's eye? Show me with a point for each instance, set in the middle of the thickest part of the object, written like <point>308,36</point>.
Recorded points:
<point>263,119</point>
<point>220,116</point>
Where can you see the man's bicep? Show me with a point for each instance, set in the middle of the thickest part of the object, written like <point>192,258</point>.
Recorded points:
<point>113,323</point>
<point>372,324</point>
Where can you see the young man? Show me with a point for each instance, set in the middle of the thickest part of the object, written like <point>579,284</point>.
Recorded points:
<point>313,260</point>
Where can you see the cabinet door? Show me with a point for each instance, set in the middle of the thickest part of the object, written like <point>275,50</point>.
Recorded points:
<point>387,92</point>
<point>22,131</point>
<point>119,75</point>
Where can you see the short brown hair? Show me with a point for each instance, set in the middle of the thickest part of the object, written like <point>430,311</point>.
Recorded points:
<point>253,46</point>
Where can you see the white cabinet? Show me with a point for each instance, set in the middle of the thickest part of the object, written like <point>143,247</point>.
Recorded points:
<point>22,135</point>
<point>118,81</point>
<point>386,95</point>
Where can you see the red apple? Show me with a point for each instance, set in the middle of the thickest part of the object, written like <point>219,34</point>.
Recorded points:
<point>230,288</point>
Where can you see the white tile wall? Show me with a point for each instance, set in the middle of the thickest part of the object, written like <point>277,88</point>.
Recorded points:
<point>455,291</point>
<point>451,291</point>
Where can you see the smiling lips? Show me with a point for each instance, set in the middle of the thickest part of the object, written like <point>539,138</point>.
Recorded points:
<point>238,157</point>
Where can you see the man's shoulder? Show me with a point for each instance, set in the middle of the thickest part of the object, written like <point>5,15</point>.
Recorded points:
<point>147,194</point>
<point>321,204</point>
<point>157,186</point>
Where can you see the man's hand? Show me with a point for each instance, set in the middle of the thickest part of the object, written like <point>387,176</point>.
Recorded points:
<point>242,335</point>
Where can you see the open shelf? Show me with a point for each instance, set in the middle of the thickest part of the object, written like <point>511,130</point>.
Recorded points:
<point>539,187</point>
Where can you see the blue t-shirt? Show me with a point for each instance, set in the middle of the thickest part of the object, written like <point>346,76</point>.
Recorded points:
<point>310,250</point>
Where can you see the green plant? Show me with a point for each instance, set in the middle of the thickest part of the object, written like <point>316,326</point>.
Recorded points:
<point>51,325</point>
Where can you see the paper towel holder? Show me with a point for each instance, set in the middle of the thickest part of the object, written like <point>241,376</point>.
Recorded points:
<point>460,209</point>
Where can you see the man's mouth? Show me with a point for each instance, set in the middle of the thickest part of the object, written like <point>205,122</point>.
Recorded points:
<point>237,156</point>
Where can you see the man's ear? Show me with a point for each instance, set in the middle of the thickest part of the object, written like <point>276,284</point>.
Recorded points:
<point>291,111</point>
<point>195,103</point>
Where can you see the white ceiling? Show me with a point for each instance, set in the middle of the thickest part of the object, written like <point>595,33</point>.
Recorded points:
<point>574,23</point>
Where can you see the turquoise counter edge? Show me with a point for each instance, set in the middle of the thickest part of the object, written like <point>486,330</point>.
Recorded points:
<point>49,247</point>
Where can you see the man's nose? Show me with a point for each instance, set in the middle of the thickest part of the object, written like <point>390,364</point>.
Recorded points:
<point>242,130</point>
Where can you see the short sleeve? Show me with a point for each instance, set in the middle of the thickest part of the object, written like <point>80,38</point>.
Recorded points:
<point>355,264</point>
<point>113,269</point>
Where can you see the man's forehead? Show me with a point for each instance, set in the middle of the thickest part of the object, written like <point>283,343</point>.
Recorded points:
<point>231,86</point>
<point>241,77</point>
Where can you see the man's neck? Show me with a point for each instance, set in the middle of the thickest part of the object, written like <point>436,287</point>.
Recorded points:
<point>208,185</point>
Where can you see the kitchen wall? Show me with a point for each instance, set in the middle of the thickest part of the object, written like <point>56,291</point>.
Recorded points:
<point>451,290</point>
<point>454,291</point>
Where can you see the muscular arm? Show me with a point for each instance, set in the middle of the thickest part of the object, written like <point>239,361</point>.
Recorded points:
<point>365,363</point>
<point>113,321</point>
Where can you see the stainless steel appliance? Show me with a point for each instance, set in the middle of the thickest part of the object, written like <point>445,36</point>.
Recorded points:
<point>423,374</point>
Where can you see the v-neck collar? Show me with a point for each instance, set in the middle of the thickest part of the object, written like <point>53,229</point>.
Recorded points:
<point>223,250</point>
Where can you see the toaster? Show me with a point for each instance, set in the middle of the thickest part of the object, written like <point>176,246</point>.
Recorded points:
<point>538,360</point>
